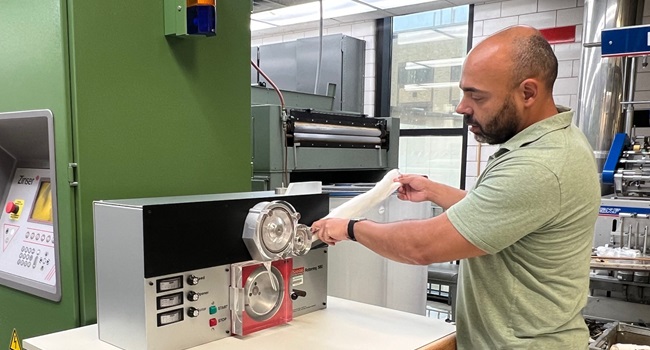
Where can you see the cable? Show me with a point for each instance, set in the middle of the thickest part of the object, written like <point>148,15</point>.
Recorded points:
<point>275,87</point>
<point>283,126</point>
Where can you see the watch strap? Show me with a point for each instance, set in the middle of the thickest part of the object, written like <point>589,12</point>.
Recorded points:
<point>351,228</point>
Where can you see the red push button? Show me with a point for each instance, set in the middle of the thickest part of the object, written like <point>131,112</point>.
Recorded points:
<point>213,322</point>
<point>12,208</point>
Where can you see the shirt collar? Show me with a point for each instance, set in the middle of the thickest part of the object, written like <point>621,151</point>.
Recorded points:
<point>533,132</point>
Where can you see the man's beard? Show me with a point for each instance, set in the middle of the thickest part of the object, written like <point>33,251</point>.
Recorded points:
<point>499,127</point>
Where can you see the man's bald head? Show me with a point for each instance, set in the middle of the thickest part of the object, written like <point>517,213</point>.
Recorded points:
<point>525,53</point>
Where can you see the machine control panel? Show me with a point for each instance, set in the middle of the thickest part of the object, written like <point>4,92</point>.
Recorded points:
<point>28,236</point>
<point>193,302</point>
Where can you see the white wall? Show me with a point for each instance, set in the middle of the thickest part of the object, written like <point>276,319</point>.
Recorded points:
<point>490,17</point>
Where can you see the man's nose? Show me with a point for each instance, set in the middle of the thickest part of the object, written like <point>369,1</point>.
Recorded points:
<point>463,108</point>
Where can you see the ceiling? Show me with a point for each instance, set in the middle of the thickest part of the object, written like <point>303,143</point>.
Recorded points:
<point>263,24</point>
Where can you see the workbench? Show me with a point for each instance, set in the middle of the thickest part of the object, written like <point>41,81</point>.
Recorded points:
<point>344,324</point>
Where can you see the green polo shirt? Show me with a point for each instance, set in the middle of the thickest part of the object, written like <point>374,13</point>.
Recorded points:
<point>533,210</point>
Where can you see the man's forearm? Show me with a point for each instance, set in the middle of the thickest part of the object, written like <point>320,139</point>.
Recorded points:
<point>445,196</point>
<point>417,242</point>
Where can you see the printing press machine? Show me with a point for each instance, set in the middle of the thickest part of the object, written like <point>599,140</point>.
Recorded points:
<point>310,142</point>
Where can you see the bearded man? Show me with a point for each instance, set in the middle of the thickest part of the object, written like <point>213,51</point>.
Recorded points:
<point>524,232</point>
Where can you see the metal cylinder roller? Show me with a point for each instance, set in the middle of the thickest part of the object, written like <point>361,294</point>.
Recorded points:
<point>317,128</point>
<point>298,137</point>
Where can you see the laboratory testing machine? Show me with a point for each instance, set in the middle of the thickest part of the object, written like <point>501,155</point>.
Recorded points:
<point>196,269</point>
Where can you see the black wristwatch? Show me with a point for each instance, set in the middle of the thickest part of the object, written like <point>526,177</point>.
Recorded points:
<point>351,228</point>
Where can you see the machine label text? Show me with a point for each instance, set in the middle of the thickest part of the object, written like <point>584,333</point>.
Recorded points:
<point>25,180</point>
<point>314,268</point>
<point>615,211</point>
<point>609,211</point>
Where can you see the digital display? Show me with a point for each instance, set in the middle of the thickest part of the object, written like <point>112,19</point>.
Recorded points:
<point>42,209</point>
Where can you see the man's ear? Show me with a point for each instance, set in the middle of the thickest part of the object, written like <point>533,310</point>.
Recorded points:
<point>530,88</point>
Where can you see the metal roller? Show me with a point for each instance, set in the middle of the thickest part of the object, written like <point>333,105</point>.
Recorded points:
<point>298,137</point>
<point>269,230</point>
<point>314,128</point>
<point>264,292</point>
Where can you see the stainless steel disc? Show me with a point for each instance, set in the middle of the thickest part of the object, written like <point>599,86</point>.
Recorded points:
<point>302,240</point>
<point>264,292</point>
<point>277,229</point>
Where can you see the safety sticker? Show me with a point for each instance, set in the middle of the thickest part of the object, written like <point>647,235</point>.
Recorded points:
<point>298,276</point>
<point>15,343</point>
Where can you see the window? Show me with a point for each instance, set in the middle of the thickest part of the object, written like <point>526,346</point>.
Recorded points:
<point>428,50</point>
<point>439,157</point>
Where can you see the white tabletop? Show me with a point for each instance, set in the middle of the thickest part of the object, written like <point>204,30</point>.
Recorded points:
<point>343,325</point>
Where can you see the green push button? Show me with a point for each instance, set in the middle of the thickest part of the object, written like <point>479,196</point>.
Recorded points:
<point>213,310</point>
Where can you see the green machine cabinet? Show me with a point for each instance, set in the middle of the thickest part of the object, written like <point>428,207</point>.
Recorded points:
<point>135,114</point>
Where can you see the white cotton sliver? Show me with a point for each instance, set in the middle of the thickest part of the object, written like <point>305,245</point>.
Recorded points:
<point>360,204</point>
<point>629,347</point>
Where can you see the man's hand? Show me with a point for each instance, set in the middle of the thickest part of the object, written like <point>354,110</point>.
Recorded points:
<point>414,188</point>
<point>331,230</point>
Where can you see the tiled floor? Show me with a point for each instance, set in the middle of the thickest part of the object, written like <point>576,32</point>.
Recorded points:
<point>438,310</point>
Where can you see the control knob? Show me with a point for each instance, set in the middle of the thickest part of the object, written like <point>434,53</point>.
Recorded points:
<point>192,280</point>
<point>192,296</point>
<point>12,208</point>
<point>193,312</point>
